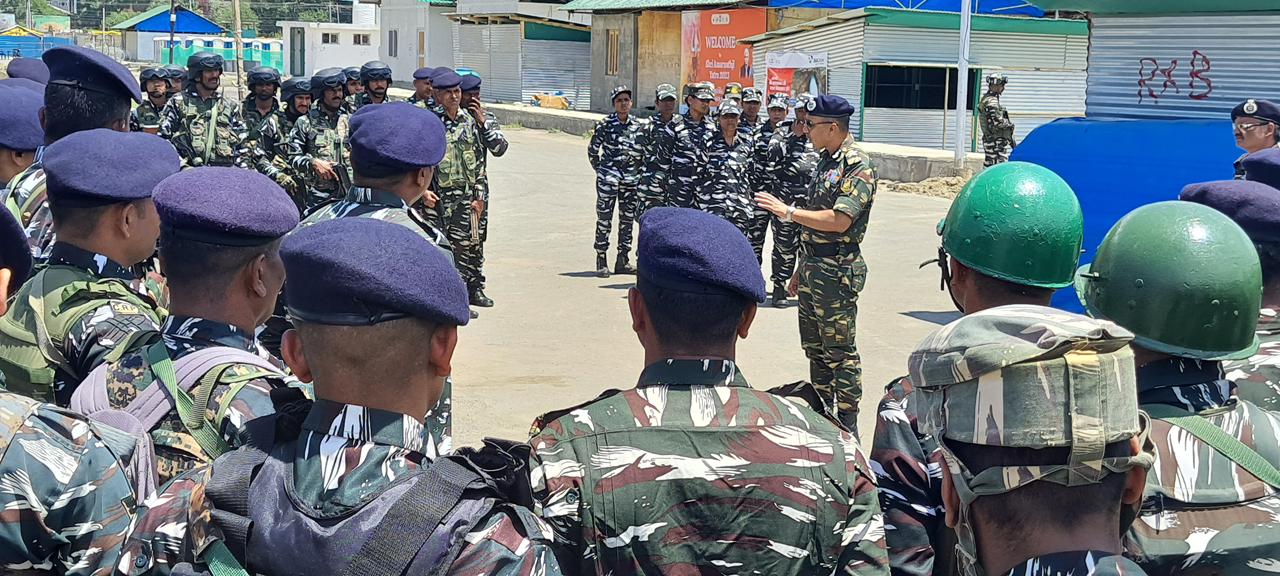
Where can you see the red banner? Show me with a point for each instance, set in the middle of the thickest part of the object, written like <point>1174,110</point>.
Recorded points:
<point>709,45</point>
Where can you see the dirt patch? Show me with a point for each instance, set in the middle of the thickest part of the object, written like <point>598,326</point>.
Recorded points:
<point>940,187</point>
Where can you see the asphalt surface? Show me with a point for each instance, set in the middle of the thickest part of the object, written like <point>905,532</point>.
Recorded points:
<point>559,336</point>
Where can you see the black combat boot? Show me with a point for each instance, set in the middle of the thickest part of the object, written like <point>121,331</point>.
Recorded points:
<point>779,296</point>
<point>623,265</point>
<point>479,299</point>
<point>602,266</point>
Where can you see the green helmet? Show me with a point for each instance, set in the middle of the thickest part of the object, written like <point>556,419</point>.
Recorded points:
<point>1018,222</point>
<point>1182,277</point>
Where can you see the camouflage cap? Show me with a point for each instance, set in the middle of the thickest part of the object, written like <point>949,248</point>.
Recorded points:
<point>665,92</point>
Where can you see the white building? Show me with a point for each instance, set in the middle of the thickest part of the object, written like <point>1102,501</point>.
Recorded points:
<point>416,33</point>
<point>311,46</point>
<point>898,68</point>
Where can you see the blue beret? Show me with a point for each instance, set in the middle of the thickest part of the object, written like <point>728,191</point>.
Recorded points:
<point>396,137</point>
<point>689,250</point>
<point>25,84</point>
<point>1263,166</point>
<point>829,106</point>
<point>224,206</point>
<point>90,70</point>
<point>29,68</point>
<point>470,82</point>
<point>423,73</point>
<point>362,271</point>
<point>103,166</point>
<point>445,78</point>
<point>20,116</point>
<point>1264,109</point>
<point>15,252</point>
<point>1252,205</point>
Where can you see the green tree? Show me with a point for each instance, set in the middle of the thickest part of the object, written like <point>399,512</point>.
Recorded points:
<point>118,17</point>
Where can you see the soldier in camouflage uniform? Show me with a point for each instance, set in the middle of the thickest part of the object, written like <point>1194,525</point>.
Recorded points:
<point>272,152</point>
<point>614,153</point>
<point>381,332</point>
<point>206,128</point>
<point>375,78</point>
<point>757,131</point>
<point>177,77</point>
<point>1007,216</point>
<point>727,192</point>
<point>655,151</point>
<point>423,94</point>
<point>154,82</point>
<point>261,104</point>
<point>492,141</point>
<point>688,138</point>
<point>351,75</point>
<point>1037,418</point>
<point>457,182</point>
<point>693,471</point>
<point>833,222</point>
<point>993,117</point>
<point>1211,504</point>
<point>789,164</point>
<point>318,141</point>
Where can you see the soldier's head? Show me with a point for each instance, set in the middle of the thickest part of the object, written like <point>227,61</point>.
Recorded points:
<point>422,83</point>
<point>448,88</point>
<point>328,86</point>
<point>205,70</point>
<point>1012,236</point>
<point>177,75</point>
<point>220,231</point>
<point>698,97</point>
<point>1255,207</point>
<point>733,91</point>
<point>1036,413</point>
<point>778,108</point>
<point>1255,124</point>
<point>1182,277</point>
<point>665,99</point>
<point>375,76</point>
<point>22,135</point>
<point>264,81</point>
<point>86,90</point>
<point>354,86</point>
<point>100,184</point>
<point>376,308</point>
<point>752,100</point>
<point>996,82</point>
<point>621,99</point>
<point>396,147</point>
<point>154,82</point>
<point>470,87</point>
<point>730,117</point>
<point>296,93</point>
<point>828,121</point>
<point>698,285</point>
<point>15,258</point>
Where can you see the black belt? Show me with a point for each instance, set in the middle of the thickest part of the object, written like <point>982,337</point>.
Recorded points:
<point>830,250</point>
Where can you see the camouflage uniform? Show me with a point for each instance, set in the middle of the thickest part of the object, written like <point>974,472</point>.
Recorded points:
<point>492,141</point>
<point>145,115</point>
<point>655,152</point>
<point>358,101</point>
<point>70,505</point>
<point>688,141</point>
<point>760,180</point>
<point>255,120</point>
<point>615,156</point>
<point>997,129</point>
<point>1079,563</point>
<point>320,136</point>
<point>694,472</point>
<point>185,123</point>
<point>727,190</point>
<point>28,201</point>
<point>429,103</point>
<point>791,161</point>
<point>1258,378</point>
<point>271,154</point>
<point>345,456</point>
<point>457,184</point>
<point>832,274</point>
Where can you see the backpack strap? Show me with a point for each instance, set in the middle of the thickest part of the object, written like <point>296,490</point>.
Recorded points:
<point>211,129</point>
<point>36,300</point>
<point>1229,446</point>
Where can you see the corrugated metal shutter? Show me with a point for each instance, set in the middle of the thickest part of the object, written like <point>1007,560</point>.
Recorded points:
<point>471,48</point>
<point>551,66</point>
<point>923,128</point>
<point>986,49</point>
<point>843,44</point>
<point>493,52</point>
<point>1132,73</point>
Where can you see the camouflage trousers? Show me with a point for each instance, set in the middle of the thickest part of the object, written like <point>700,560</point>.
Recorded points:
<point>829,289</point>
<point>623,195</point>
<point>786,241</point>
<point>682,191</point>
<point>755,231</point>
<point>996,150</point>
<point>455,211</point>
<point>651,193</point>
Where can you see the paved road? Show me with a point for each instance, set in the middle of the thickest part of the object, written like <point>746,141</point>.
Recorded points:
<point>559,336</point>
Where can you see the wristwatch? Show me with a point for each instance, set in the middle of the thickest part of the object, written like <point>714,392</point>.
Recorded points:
<point>791,214</point>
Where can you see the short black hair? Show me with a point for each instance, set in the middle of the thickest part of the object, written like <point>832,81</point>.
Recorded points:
<point>372,171</point>
<point>68,110</point>
<point>689,321</point>
<point>842,122</point>
<point>996,289</point>
<point>73,220</point>
<point>204,268</point>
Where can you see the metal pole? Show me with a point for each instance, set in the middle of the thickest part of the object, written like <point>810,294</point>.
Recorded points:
<point>962,81</point>
<point>173,23</point>
<point>235,7</point>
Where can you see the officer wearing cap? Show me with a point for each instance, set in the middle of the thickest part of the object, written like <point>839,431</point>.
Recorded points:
<point>86,90</point>
<point>1255,126</point>
<point>261,104</point>
<point>29,68</point>
<point>377,311</point>
<point>1186,280</point>
<point>205,127</point>
<point>1041,439</point>
<point>655,150</point>
<point>593,465</point>
<point>832,223</point>
<point>615,155</point>
<point>423,93</point>
<point>789,163</point>
<point>154,83</point>
<point>318,142</point>
<point>727,192</point>
<point>22,134</point>
<point>457,183</point>
<point>690,137</point>
<point>177,77</point>
<point>271,154</point>
<point>220,231</point>
<point>492,141</point>
<point>1012,236</point>
<point>993,117</point>
<point>375,78</point>
<point>80,306</point>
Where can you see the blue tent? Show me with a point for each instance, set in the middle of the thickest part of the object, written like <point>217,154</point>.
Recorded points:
<point>1115,166</point>
<point>997,7</point>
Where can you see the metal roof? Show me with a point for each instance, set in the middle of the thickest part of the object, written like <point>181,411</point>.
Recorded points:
<point>934,20</point>
<point>1002,7</point>
<point>1158,6</point>
<point>590,5</point>
<point>162,9</point>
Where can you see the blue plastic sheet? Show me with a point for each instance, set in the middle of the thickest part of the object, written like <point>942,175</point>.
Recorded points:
<point>999,7</point>
<point>1115,166</point>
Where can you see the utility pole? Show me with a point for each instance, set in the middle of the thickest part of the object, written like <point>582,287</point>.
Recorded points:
<point>235,7</point>
<point>962,84</point>
<point>173,23</point>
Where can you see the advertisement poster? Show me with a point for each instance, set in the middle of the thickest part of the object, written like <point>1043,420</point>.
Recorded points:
<point>796,72</point>
<point>709,46</point>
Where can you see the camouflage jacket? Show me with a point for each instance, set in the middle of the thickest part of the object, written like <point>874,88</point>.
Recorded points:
<point>761,179</point>
<point>1081,563</point>
<point>1258,378</point>
<point>363,202</point>
<point>614,150</point>
<point>908,468</point>
<point>492,141</point>
<point>254,120</point>
<point>689,141</point>
<point>1202,513</point>
<point>28,201</point>
<point>728,190</point>
<point>271,150</point>
<point>459,171</point>
<point>176,449</point>
<point>791,160</point>
<point>694,472</point>
<point>429,103</point>
<point>993,117</point>
<point>70,505</point>
<point>145,115</point>
<point>655,152</point>
<point>320,136</point>
<point>844,182</point>
<point>344,456</point>
<point>186,123</point>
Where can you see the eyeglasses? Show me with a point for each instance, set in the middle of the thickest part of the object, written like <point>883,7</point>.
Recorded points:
<point>1247,127</point>
<point>811,124</point>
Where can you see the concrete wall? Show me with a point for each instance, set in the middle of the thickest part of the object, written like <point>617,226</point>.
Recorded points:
<point>658,61</point>
<point>601,82</point>
<point>408,18</point>
<point>343,54</point>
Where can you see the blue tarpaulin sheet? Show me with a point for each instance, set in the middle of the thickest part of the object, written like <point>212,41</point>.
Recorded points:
<point>1115,166</point>
<point>998,7</point>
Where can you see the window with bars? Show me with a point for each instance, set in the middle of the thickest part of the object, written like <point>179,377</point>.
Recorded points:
<point>614,52</point>
<point>915,87</point>
<point>393,43</point>
<point>360,39</point>
<point>329,38</point>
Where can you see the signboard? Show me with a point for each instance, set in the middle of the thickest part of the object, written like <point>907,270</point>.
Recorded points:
<point>795,72</point>
<point>709,47</point>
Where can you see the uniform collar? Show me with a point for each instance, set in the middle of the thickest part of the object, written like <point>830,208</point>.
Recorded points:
<point>64,254</point>
<point>1194,385</point>
<point>209,332</point>
<point>1269,322</point>
<point>1076,562</point>
<point>692,372</point>
<point>849,145</point>
<point>363,424</point>
<point>363,195</point>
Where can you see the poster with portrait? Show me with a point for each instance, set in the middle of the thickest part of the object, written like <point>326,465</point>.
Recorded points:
<point>795,72</point>
<point>709,46</point>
